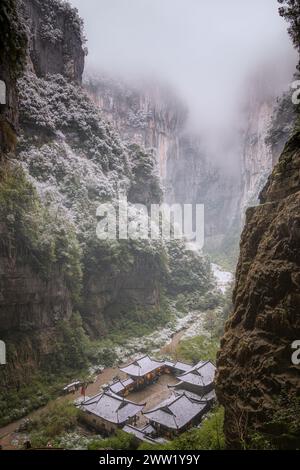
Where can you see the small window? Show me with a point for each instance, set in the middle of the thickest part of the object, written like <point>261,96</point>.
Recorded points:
<point>2,92</point>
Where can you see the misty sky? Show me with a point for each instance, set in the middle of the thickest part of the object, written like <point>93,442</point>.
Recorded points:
<point>205,49</point>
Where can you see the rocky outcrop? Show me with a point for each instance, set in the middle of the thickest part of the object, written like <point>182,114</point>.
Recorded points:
<point>31,309</point>
<point>118,295</point>
<point>56,43</point>
<point>12,53</point>
<point>270,123</point>
<point>151,116</point>
<point>257,162</point>
<point>32,304</point>
<point>148,114</point>
<point>195,178</point>
<point>254,365</point>
<point>75,160</point>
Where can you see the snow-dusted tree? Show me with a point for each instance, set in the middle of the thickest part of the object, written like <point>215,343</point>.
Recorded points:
<point>290,11</point>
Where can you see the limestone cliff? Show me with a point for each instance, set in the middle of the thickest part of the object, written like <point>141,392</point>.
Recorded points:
<point>12,53</point>
<point>34,295</point>
<point>151,116</point>
<point>193,177</point>
<point>270,123</point>
<point>148,114</point>
<point>257,160</point>
<point>56,41</point>
<point>256,377</point>
<point>69,160</point>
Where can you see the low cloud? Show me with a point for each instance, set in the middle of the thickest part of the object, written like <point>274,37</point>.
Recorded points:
<point>206,51</point>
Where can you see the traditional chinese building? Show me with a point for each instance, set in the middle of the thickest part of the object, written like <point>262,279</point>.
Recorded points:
<point>176,415</point>
<point>177,368</point>
<point>144,371</point>
<point>123,387</point>
<point>209,397</point>
<point>142,435</point>
<point>198,379</point>
<point>107,412</point>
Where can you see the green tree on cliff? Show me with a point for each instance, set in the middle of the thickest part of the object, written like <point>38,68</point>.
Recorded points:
<point>290,11</point>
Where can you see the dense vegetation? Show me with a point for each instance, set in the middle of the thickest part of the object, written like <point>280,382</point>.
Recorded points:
<point>120,441</point>
<point>290,11</point>
<point>282,426</point>
<point>34,233</point>
<point>48,427</point>
<point>13,37</point>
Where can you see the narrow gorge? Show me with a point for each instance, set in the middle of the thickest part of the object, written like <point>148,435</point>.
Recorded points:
<point>75,308</point>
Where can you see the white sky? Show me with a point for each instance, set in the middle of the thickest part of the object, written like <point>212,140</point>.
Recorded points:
<point>204,49</point>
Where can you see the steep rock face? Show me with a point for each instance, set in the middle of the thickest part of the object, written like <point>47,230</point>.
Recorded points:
<point>30,306</point>
<point>257,160</point>
<point>136,287</point>
<point>148,115</point>
<point>55,39</point>
<point>194,178</point>
<point>269,126</point>
<point>33,300</point>
<point>30,311</point>
<point>151,116</point>
<point>77,161</point>
<point>12,52</point>
<point>254,364</point>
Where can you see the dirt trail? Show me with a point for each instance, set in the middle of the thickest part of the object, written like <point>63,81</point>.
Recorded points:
<point>170,348</point>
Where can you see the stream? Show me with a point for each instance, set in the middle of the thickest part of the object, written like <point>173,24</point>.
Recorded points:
<point>161,343</point>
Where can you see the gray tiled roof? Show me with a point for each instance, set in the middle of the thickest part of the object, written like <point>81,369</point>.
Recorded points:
<point>202,397</point>
<point>148,429</point>
<point>201,375</point>
<point>139,433</point>
<point>142,366</point>
<point>119,386</point>
<point>176,412</point>
<point>169,363</point>
<point>182,366</point>
<point>111,407</point>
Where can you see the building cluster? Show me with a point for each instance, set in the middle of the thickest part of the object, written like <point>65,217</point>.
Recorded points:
<point>191,398</point>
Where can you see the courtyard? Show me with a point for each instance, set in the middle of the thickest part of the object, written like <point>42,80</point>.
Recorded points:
<point>153,395</point>
<point>152,399</point>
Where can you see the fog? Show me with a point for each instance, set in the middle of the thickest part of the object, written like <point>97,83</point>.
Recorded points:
<point>206,50</point>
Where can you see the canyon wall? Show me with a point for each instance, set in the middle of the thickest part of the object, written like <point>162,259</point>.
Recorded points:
<point>257,157</point>
<point>193,177</point>
<point>31,304</point>
<point>76,161</point>
<point>270,123</point>
<point>56,40</point>
<point>148,114</point>
<point>256,377</point>
<point>68,161</point>
<point>12,51</point>
<point>152,116</point>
